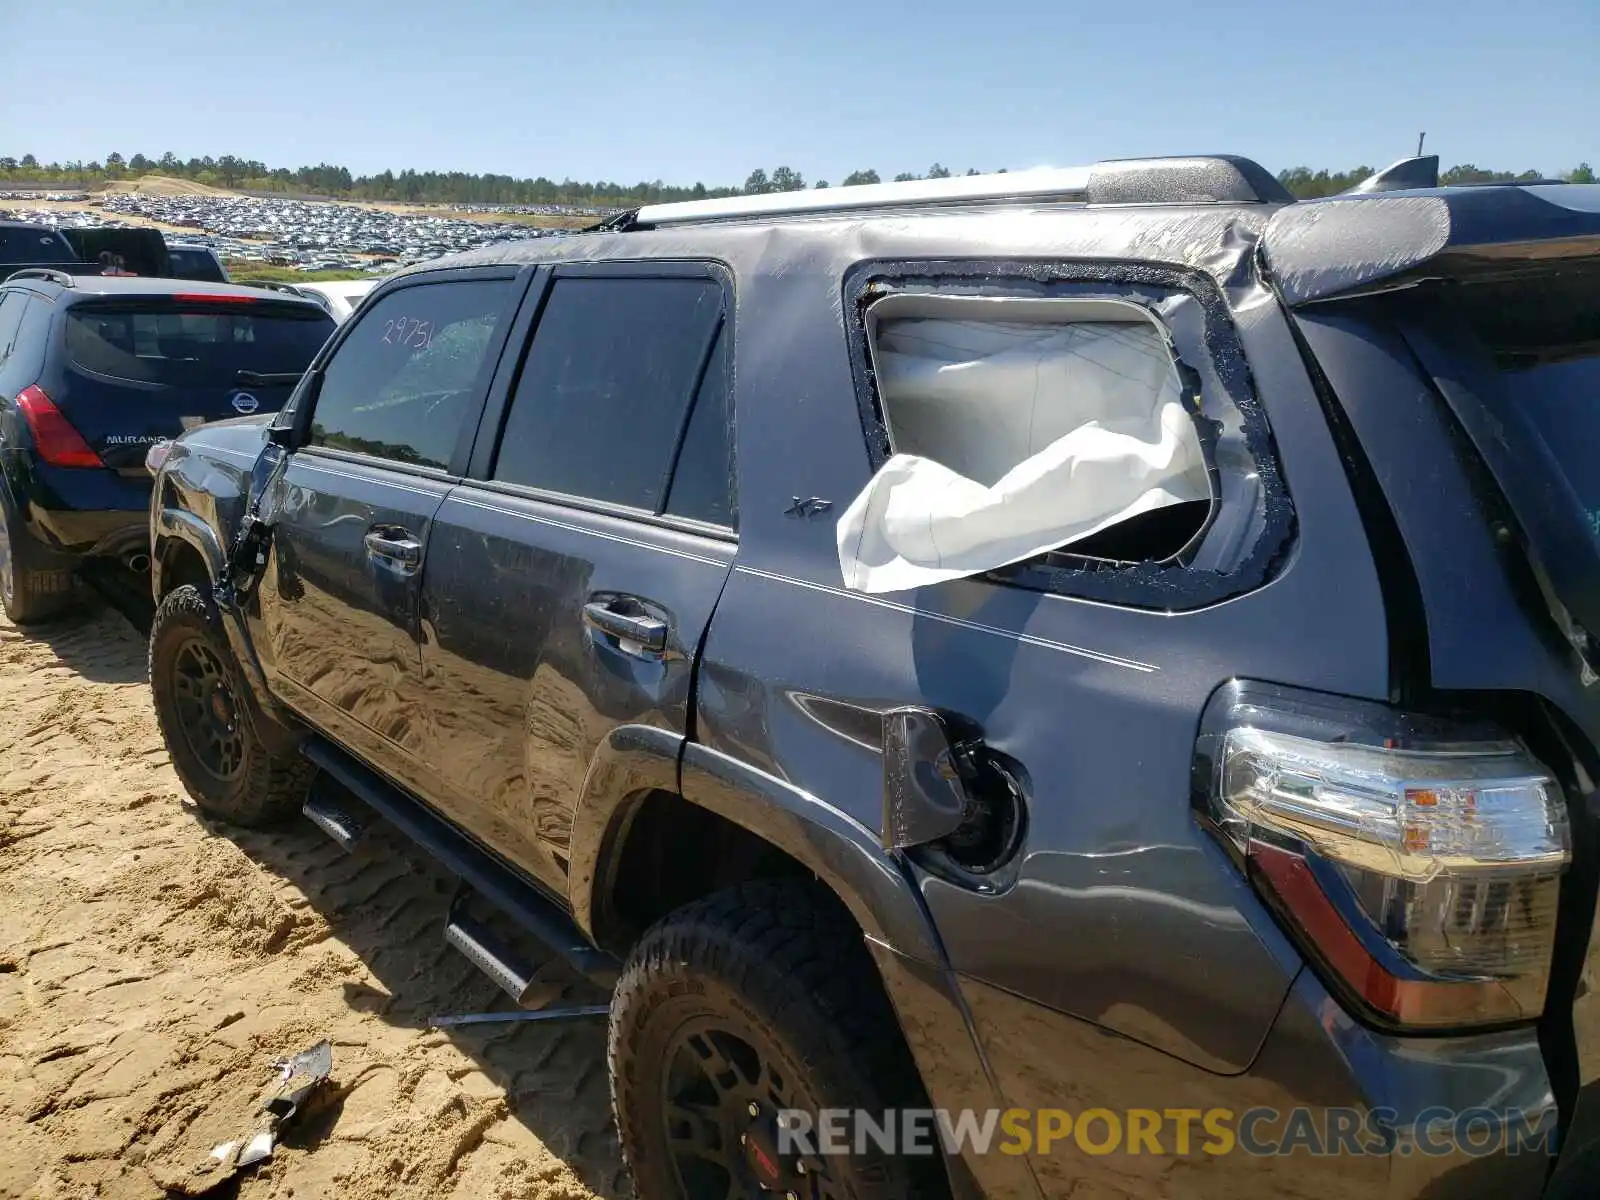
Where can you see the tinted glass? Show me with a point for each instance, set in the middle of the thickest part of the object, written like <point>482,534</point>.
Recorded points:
<point>192,345</point>
<point>1564,401</point>
<point>12,305</point>
<point>703,485</point>
<point>605,386</point>
<point>195,264</point>
<point>408,377</point>
<point>22,244</point>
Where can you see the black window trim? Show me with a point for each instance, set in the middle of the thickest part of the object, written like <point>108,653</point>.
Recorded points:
<point>487,372</point>
<point>491,426</point>
<point>1145,586</point>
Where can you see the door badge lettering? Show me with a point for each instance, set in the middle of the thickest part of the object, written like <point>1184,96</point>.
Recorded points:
<point>808,506</point>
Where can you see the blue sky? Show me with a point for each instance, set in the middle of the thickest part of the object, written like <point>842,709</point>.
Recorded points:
<point>706,91</point>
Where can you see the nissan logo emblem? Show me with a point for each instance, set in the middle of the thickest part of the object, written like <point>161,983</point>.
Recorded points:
<point>244,402</point>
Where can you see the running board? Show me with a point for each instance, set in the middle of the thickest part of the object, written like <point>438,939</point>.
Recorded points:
<point>490,955</point>
<point>325,810</point>
<point>486,875</point>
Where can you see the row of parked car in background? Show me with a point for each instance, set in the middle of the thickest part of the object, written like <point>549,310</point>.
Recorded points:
<point>1273,797</point>
<point>299,234</point>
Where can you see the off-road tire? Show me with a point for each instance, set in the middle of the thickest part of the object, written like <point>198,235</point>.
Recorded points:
<point>30,593</point>
<point>775,962</point>
<point>267,788</point>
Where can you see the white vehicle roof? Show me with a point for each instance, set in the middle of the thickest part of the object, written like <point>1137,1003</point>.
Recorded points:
<point>349,290</point>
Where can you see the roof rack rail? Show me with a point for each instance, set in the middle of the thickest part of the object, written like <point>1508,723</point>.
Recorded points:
<point>1211,179</point>
<point>49,273</point>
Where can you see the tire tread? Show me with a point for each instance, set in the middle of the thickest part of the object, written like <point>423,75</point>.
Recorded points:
<point>273,787</point>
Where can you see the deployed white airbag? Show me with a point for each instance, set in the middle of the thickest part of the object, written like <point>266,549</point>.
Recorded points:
<point>1012,437</point>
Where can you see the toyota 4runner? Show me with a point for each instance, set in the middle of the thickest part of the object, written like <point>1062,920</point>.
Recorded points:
<point>1111,642</point>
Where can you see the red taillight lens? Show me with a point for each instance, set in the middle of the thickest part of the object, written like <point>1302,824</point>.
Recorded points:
<point>1418,861</point>
<point>54,439</point>
<point>208,298</point>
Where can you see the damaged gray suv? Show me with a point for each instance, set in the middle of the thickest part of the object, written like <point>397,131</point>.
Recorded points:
<point>1079,679</point>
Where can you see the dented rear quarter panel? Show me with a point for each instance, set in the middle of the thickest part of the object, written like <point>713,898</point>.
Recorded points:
<point>1123,913</point>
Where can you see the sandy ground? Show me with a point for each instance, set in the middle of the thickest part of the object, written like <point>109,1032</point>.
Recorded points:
<point>153,966</point>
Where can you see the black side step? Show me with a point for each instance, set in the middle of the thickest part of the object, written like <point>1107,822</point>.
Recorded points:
<point>332,813</point>
<point>487,876</point>
<point>486,952</point>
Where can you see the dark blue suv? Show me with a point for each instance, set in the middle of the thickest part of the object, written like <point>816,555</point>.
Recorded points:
<point>93,371</point>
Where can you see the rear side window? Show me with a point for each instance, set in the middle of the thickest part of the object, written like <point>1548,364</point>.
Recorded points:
<point>412,372</point>
<point>192,344</point>
<point>25,245</point>
<point>1020,428</point>
<point>606,386</point>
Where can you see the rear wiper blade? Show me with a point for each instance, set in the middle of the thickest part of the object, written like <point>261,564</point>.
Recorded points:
<point>266,379</point>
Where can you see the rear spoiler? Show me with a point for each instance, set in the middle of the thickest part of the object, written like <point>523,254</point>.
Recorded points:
<point>1359,244</point>
<point>1518,271</point>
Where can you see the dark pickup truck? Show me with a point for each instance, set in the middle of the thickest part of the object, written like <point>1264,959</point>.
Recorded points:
<point>1113,647</point>
<point>78,251</point>
<point>24,246</point>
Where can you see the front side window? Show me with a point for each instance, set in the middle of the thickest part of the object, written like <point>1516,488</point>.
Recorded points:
<point>607,385</point>
<point>411,373</point>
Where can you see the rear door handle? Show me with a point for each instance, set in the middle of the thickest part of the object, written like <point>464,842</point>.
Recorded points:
<point>396,545</point>
<point>645,631</point>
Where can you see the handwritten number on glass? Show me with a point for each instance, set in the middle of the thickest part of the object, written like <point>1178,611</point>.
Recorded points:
<point>409,332</point>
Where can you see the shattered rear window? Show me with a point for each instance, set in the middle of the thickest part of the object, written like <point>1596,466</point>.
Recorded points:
<point>1022,428</point>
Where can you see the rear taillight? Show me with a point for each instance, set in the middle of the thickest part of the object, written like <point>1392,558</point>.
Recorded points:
<point>1417,860</point>
<point>54,439</point>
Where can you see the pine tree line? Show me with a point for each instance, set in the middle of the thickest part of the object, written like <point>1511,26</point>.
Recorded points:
<point>461,187</point>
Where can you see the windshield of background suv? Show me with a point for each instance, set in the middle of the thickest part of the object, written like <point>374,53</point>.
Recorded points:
<point>1564,401</point>
<point>194,346</point>
<point>20,244</point>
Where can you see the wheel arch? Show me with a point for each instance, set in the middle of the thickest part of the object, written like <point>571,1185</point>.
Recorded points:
<point>649,793</point>
<point>185,550</point>
<point>641,772</point>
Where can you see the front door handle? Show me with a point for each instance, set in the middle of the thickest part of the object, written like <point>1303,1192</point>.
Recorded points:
<point>641,629</point>
<point>396,545</point>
